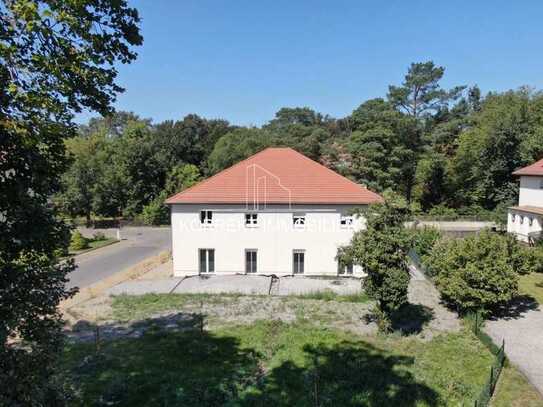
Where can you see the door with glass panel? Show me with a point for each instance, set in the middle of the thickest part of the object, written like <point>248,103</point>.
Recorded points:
<point>250,260</point>
<point>298,260</point>
<point>207,261</point>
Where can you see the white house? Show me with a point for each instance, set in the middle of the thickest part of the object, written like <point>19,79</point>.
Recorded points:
<point>526,219</point>
<point>277,212</point>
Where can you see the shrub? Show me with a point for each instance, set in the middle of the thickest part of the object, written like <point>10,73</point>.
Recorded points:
<point>424,240</point>
<point>155,213</point>
<point>478,272</point>
<point>98,236</point>
<point>381,250</point>
<point>78,241</point>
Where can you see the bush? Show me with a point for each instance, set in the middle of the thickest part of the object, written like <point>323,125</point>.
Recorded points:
<point>155,213</point>
<point>78,241</point>
<point>478,272</point>
<point>98,236</point>
<point>424,240</point>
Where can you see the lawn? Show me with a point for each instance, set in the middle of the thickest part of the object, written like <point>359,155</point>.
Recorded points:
<point>278,363</point>
<point>532,285</point>
<point>94,244</point>
<point>514,390</point>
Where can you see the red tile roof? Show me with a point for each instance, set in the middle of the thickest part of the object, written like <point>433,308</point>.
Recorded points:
<point>277,176</point>
<point>534,169</point>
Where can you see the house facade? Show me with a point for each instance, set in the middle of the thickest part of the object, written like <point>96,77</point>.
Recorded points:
<point>277,212</point>
<point>526,219</point>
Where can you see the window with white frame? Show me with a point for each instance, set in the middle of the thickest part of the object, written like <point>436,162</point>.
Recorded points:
<point>521,219</point>
<point>250,260</point>
<point>206,217</point>
<point>513,218</point>
<point>530,221</point>
<point>206,260</point>
<point>346,221</point>
<point>298,219</point>
<point>298,261</point>
<point>251,219</point>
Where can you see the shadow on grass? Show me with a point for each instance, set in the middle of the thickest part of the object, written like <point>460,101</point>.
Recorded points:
<point>411,319</point>
<point>516,308</point>
<point>192,367</point>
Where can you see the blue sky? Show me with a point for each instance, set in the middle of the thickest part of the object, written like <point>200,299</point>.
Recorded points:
<point>243,60</point>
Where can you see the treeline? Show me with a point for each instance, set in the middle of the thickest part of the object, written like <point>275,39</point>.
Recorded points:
<point>442,149</point>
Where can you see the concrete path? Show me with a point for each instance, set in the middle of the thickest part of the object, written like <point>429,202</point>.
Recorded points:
<point>138,243</point>
<point>238,284</point>
<point>523,335</point>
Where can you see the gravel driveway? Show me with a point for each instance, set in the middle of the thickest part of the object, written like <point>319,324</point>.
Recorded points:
<point>523,335</point>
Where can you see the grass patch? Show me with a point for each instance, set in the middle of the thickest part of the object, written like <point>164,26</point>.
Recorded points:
<point>329,295</point>
<point>532,285</point>
<point>514,390</point>
<point>275,363</point>
<point>93,245</point>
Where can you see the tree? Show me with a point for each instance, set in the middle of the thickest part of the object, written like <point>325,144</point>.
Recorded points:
<point>431,181</point>
<point>56,58</point>
<point>382,250</point>
<point>420,93</point>
<point>180,178</point>
<point>236,146</point>
<point>78,183</point>
<point>479,272</point>
<point>383,147</point>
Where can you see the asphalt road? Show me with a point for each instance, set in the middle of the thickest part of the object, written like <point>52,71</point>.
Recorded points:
<point>138,243</point>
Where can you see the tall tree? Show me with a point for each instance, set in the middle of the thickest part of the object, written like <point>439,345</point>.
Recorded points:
<point>420,92</point>
<point>381,250</point>
<point>56,58</point>
<point>384,147</point>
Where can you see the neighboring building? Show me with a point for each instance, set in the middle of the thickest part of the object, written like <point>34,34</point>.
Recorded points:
<point>526,219</point>
<point>277,212</point>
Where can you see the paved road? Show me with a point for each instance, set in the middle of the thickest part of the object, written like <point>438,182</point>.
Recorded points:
<point>138,243</point>
<point>523,334</point>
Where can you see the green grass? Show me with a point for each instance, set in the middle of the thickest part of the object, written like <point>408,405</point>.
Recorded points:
<point>274,363</point>
<point>135,307</point>
<point>514,390</point>
<point>93,245</point>
<point>329,295</point>
<point>532,285</point>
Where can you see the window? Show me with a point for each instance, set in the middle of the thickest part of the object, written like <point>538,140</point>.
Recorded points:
<point>346,221</point>
<point>343,269</point>
<point>513,218</point>
<point>541,184</point>
<point>251,219</point>
<point>530,221</point>
<point>206,217</point>
<point>298,260</point>
<point>521,219</point>
<point>207,260</point>
<point>250,261</point>
<point>298,219</point>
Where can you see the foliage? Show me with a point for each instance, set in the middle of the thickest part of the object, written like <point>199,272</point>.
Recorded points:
<point>478,272</point>
<point>274,363</point>
<point>382,250</point>
<point>424,239</point>
<point>78,241</point>
<point>56,58</point>
<point>420,93</point>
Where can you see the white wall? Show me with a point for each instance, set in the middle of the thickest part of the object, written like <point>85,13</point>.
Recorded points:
<point>523,228</point>
<point>275,238</point>
<point>531,193</point>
